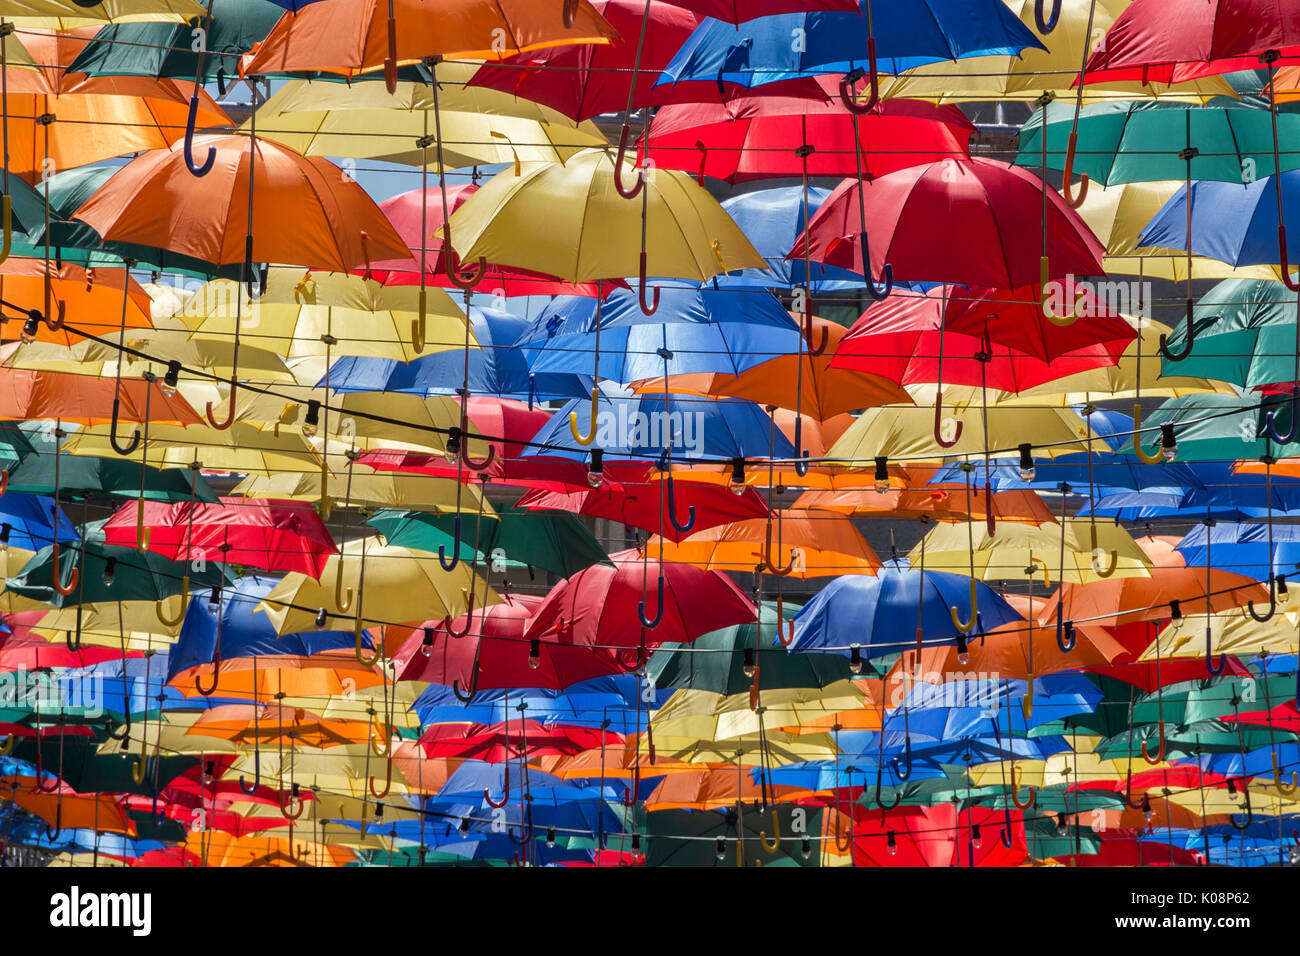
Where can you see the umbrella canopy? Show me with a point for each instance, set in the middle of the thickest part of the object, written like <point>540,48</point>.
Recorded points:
<point>1018,547</point>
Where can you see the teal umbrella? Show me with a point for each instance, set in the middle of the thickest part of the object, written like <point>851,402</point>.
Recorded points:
<point>15,447</point>
<point>27,207</point>
<point>709,837</point>
<point>1137,142</point>
<point>105,573</point>
<point>1212,428</point>
<point>553,540</point>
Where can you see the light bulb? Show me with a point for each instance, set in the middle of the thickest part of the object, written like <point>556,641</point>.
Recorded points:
<point>464,824</point>
<point>963,653</point>
<point>1062,825</point>
<point>5,531</point>
<point>882,474</point>
<point>976,837</point>
<point>30,327</point>
<point>320,617</point>
<point>891,843</point>
<point>1027,469</point>
<point>1233,795</point>
<point>1281,586</point>
<point>1147,812</point>
<point>596,469</point>
<point>110,572</point>
<point>737,483</point>
<point>855,659</point>
<point>451,450</point>
<point>748,665</point>
<point>170,379</point>
<point>805,846</point>
<point>1175,612</point>
<point>721,849</point>
<point>214,598</point>
<point>550,836</point>
<point>534,653</point>
<point>312,419</point>
<point>1168,443</point>
<point>426,645</point>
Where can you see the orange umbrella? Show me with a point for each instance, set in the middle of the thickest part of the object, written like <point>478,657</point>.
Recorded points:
<point>423,774</point>
<point>939,502</point>
<point>821,392</point>
<point>305,211</point>
<point>64,808</point>
<point>216,848</point>
<point>618,760</point>
<point>271,723</point>
<point>353,36</point>
<point>323,674</point>
<point>90,299</point>
<point>814,545</point>
<point>704,789</point>
<point>50,396</point>
<point>1118,601</point>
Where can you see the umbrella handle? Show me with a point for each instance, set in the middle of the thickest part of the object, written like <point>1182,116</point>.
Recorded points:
<point>653,622</point>
<point>588,438</point>
<point>390,61</point>
<point>1189,341</point>
<point>7,222</point>
<point>938,423</point>
<point>1272,604</point>
<point>194,168</point>
<point>257,773</point>
<point>820,347</point>
<point>158,605</point>
<point>342,596</point>
<point>1281,255</point>
<point>505,790</point>
<point>1281,438</point>
<point>630,192</point>
<point>966,626</point>
<point>358,632</point>
<point>780,623</point>
<point>775,845</point>
<point>689,523</point>
<point>1286,789</point>
<point>61,310</point>
<point>468,695</point>
<point>1026,802</point>
<point>846,84</point>
<point>1035,563</point>
<point>1047,25</point>
<point>123,734</point>
<point>991,521</point>
<point>388,781</point>
<point>1214,669</point>
<point>773,567</point>
<point>455,547</point>
<point>131,444</point>
<point>419,325</point>
<point>230,417</point>
<point>451,265</point>
<point>1143,456</point>
<point>907,753</point>
<point>473,464</point>
<point>648,307</point>
<point>74,645</point>
<point>886,273</point>
<point>64,589</point>
<point>569,13</point>
<point>1159,755</point>
<point>801,463</point>
<point>1071,200</point>
<point>898,796</point>
<point>1044,265</point>
<point>1250,813</point>
<point>468,597</point>
<point>7,747</point>
<point>292,805</point>
<point>4,482</point>
<point>143,535</point>
<point>1100,570</point>
<point>1065,638</point>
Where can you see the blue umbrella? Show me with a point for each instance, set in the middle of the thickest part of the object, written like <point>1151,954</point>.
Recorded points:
<point>29,521</point>
<point>703,330</point>
<point>589,704</point>
<point>639,428</point>
<point>496,368</point>
<point>1243,548</point>
<point>906,35</point>
<point>877,615</point>
<point>1224,495</point>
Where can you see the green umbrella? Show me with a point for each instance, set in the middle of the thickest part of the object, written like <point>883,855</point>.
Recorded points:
<point>690,837</point>
<point>717,661</point>
<point>106,573</point>
<point>1245,331</point>
<point>168,49</point>
<point>1045,840</point>
<point>15,448</point>
<point>1189,740</point>
<point>81,476</point>
<point>27,206</point>
<point>1190,701</point>
<point>1140,142</point>
<point>1213,428</point>
<point>554,540</point>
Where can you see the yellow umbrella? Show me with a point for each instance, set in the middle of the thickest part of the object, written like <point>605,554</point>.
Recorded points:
<point>107,623</point>
<point>242,448</point>
<point>301,312</point>
<point>710,716</point>
<point>366,489</point>
<point>1232,632</point>
<point>907,432</point>
<point>11,559</point>
<point>68,14</point>
<point>376,584</point>
<point>1032,73</point>
<point>480,126</point>
<point>1117,215</point>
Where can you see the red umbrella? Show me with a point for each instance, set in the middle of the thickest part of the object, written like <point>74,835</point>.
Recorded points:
<point>494,649</point>
<point>583,81</point>
<point>21,650</point>
<point>1172,41</point>
<point>936,836</point>
<point>1146,676</point>
<point>604,606</point>
<point>899,339</point>
<point>261,533</point>
<point>739,11</point>
<point>977,222</point>
<point>497,743</point>
<point>758,136</point>
<point>412,223</point>
<point>638,506</point>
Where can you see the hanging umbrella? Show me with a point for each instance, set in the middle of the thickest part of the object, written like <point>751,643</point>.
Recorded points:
<point>68,14</point>
<point>31,522</point>
<point>948,547</point>
<point>498,743</point>
<point>1210,428</point>
<point>35,396</point>
<point>53,292</point>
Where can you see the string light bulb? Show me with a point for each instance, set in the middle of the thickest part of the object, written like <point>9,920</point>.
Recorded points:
<point>426,645</point>
<point>855,659</point>
<point>311,421</point>
<point>891,843</point>
<point>882,474</point>
<point>737,483</point>
<point>171,380</point>
<point>110,572</point>
<point>748,665</point>
<point>534,653</point>
<point>1027,469</point>
<point>596,468</point>
<point>1168,442</point>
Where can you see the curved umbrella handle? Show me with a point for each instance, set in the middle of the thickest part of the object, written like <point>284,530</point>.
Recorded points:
<point>1214,669</point>
<point>775,845</point>
<point>194,168</point>
<point>7,747</point>
<point>64,589</point>
<point>388,781</point>
<point>966,626</point>
<point>1044,267</point>
<point>1281,255</point>
<point>134,441</point>
<point>61,312</point>
<point>342,596</point>
<point>1065,638</point>
<point>578,436</point>
<point>1102,571</point>
<point>125,732</point>
<point>359,651</point>
<point>158,605</point>
<point>780,623</point>
<point>469,617</point>
<point>647,307</point>
<point>418,325</point>
<point>1189,341</point>
<point>292,806</point>
<point>846,84</point>
<point>569,13</point>
<point>221,426</point>
<point>1071,200</point>
<point>898,795</point>
<point>1046,26</point>
<point>801,463</point>
<point>505,791</point>
<point>630,192</point>
<point>682,527</point>
<point>820,347</point>
<point>773,566</point>
<point>257,773</point>
<point>1026,802</point>
<point>904,774</point>
<point>1286,789</point>
<point>468,695</point>
<point>938,424</point>
<point>1250,813</point>
<point>886,273</point>
<point>390,61</point>
<point>473,464</point>
<point>1283,438</point>
<point>1159,755</point>
<point>455,547</point>
<point>1143,456</point>
<point>653,622</point>
<point>216,677</point>
<point>451,264</point>
<point>7,223</point>
<point>1272,607</point>
<point>255,280</point>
